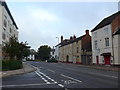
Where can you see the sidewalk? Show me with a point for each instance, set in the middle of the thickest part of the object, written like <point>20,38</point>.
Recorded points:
<point>100,67</point>
<point>26,68</point>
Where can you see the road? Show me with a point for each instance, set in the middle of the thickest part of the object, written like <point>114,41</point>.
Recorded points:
<point>62,75</point>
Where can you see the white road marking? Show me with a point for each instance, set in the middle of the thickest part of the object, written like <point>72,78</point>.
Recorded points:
<point>26,85</point>
<point>102,75</point>
<point>70,78</point>
<point>51,70</point>
<point>95,73</point>
<point>42,77</point>
<point>48,77</point>
<point>60,85</point>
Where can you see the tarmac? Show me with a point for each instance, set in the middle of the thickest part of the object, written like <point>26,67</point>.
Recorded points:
<point>100,67</point>
<point>29,68</point>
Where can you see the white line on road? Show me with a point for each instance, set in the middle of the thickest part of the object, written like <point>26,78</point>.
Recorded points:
<point>102,75</point>
<point>42,77</point>
<point>26,85</point>
<point>51,70</point>
<point>94,73</point>
<point>60,85</point>
<point>70,78</point>
<point>48,77</point>
<point>51,79</point>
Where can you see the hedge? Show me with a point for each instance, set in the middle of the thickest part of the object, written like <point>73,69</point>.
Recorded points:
<point>11,65</point>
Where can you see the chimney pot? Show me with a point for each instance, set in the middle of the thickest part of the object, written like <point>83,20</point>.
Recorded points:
<point>61,38</point>
<point>87,32</point>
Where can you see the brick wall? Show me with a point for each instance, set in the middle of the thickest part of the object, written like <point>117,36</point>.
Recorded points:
<point>86,43</point>
<point>115,23</point>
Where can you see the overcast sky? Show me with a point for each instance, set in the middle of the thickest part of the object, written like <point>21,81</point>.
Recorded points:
<point>40,23</point>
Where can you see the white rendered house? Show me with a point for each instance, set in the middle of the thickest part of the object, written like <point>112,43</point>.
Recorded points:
<point>103,43</point>
<point>8,27</point>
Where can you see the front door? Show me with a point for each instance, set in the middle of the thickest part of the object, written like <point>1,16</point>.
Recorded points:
<point>67,58</point>
<point>107,60</point>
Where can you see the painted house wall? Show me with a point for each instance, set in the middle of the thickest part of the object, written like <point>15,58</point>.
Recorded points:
<point>57,52</point>
<point>100,36</point>
<point>71,51</point>
<point>0,32</point>
<point>6,30</point>
<point>116,42</point>
<point>77,55</point>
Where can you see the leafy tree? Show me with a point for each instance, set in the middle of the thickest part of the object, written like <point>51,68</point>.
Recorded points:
<point>11,48</point>
<point>15,49</point>
<point>44,52</point>
<point>24,50</point>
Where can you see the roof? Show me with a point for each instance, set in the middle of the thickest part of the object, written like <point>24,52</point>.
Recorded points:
<point>71,41</point>
<point>3,3</point>
<point>106,21</point>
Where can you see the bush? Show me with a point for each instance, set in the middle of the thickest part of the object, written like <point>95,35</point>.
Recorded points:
<point>11,65</point>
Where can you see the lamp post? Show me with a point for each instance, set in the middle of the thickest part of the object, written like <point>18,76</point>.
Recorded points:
<point>58,39</point>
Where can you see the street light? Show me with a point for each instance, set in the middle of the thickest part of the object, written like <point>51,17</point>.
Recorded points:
<point>58,39</point>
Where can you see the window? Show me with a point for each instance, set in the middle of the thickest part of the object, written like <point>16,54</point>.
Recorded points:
<point>5,23</point>
<point>3,36</point>
<point>77,49</point>
<point>3,43</point>
<point>106,42</point>
<point>95,34</point>
<point>4,29</point>
<point>53,53</point>
<point>106,30</point>
<point>96,44</point>
<point>10,30</point>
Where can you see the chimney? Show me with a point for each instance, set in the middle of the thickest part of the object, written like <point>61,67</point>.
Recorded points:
<point>61,38</point>
<point>87,32</point>
<point>71,37</point>
<point>74,37</point>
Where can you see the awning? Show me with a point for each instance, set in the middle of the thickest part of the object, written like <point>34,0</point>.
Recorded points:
<point>106,54</point>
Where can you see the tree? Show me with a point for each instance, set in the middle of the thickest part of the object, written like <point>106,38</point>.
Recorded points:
<point>24,51</point>
<point>43,52</point>
<point>15,49</point>
<point>11,48</point>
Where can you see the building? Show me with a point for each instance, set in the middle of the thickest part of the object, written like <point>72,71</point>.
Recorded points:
<point>52,53</point>
<point>104,42</point>
<point>32,54</point>
<point>8,27</point>
<point>116,43</point>
<point>76,50</point>
<point>56,56</point>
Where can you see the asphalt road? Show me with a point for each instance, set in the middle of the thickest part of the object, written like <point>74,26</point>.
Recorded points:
<point>62,75</point>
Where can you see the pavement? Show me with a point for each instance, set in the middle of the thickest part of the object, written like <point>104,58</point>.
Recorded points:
<point>26,69</point>
<point>29,68</point>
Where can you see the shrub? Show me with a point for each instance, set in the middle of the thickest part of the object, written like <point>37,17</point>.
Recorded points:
<point>11,65</point>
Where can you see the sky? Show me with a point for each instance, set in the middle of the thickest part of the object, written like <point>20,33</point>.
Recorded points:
<point>40,23</point>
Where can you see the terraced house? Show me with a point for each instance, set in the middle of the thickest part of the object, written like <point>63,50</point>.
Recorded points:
<point>8,27</point>
<point>106,41</point>
<point>76,50</point>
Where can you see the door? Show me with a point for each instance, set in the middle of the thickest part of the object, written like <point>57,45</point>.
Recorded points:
<point>97,60</point>
<point>107,60</point>
<point>67,58</point>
